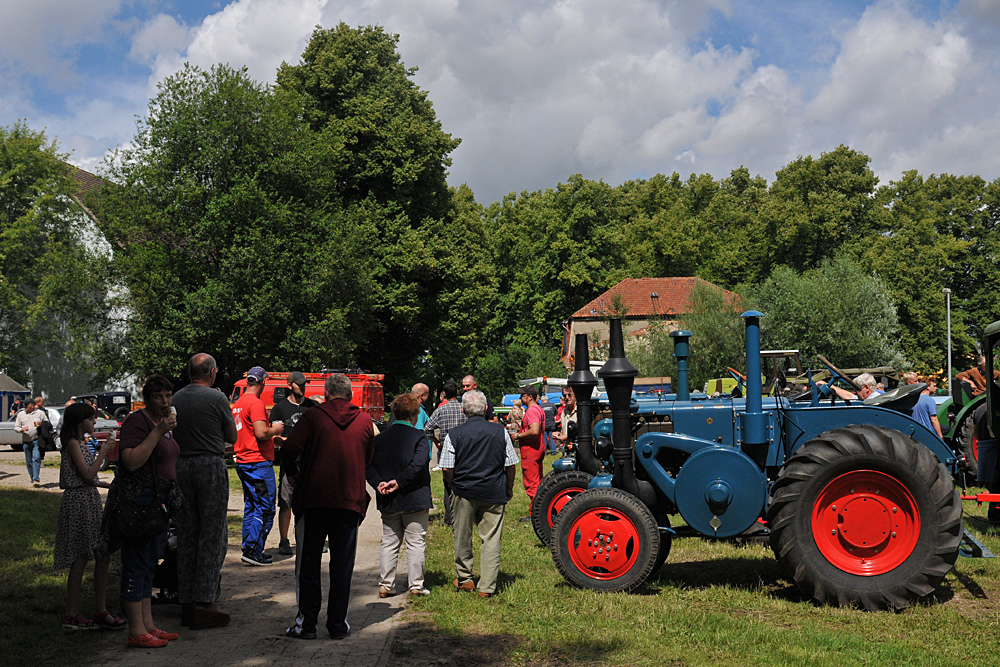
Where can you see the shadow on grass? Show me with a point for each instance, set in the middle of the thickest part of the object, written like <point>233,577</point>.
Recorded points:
<point>33,592</point>
<point>751,574</point>
<point>981,525</point>
<point>434,578</point>
<point>422,645</point>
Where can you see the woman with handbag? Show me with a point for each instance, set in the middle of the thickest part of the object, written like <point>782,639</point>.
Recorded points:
<point>146,463</point>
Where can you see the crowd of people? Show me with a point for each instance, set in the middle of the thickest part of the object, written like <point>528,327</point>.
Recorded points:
<point>172,456</point>
<point>172,465</point>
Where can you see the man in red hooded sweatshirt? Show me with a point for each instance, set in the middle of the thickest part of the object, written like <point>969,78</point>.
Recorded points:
<point>328,448</point>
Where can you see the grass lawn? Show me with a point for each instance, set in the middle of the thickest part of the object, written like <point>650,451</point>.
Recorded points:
<point>33,594</point>
<point>711,602</point>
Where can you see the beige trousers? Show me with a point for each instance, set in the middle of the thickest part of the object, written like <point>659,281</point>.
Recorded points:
<point>398,527</point>
<point>489,519</point>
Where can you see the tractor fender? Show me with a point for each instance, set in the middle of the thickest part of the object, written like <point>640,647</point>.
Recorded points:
<point>650,444</point>
<point>807,423</point>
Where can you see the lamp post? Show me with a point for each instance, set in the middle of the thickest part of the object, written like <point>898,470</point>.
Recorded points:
<point>947,301</point>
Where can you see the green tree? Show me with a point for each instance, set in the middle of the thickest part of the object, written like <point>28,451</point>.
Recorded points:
<point>814,207</point>
<point>553,251</point>
<point>381,156</point>
<point>217,242</point>
<point>52,294</point>
<point>837,310</point>
<point>917,249</point>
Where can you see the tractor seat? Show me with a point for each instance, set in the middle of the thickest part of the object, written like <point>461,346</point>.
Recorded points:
<point>901,399</point>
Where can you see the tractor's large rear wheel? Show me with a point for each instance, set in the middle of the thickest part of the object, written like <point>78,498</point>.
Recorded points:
<point>553,493</point>
<point>865,516</point>
<point>605,539</point>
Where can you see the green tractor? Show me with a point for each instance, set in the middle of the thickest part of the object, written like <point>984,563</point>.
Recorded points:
<point>959,414</point>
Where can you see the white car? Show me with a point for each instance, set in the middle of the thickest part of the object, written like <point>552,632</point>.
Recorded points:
<point>8,436</point>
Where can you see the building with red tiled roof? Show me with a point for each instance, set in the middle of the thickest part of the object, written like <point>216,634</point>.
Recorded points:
<point>84,183</point>
<point>638,301</point>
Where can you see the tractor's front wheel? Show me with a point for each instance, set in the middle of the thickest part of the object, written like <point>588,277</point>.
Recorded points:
<point>605,539</point>
<point>553,493</point>
<point>865,516</point>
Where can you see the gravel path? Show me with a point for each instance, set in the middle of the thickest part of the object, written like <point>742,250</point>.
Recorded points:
<point>261,601</point>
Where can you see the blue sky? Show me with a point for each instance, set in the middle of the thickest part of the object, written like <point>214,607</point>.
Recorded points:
<point>538,91</point>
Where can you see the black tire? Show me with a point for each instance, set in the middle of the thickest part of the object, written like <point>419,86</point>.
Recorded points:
<point>120,414</point>
<point>584,533</point>
<point>665,544</point>
<point>966,439</point>
<point>552,494</point>
<point>868,553</point>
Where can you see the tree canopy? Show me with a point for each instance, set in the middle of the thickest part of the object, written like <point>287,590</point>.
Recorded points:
<point>309,223</point>
<point>52,294</point>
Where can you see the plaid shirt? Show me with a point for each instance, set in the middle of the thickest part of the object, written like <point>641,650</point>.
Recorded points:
<point>447,457</point>
<point>445,418</point>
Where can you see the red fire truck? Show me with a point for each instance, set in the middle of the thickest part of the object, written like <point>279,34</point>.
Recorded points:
<point>365,387</point>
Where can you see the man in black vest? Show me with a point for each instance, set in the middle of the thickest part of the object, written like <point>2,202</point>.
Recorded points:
<point>478,460</point>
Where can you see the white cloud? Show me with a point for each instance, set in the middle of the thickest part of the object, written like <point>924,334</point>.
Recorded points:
<point>541,89</point>
<point>162,34</point>
<point>893,68</point>
<point>37,36</point>
<point>257,34</point>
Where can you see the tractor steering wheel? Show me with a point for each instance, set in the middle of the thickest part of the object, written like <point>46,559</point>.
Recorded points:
<point>835,374</point>
<point>739,377</point>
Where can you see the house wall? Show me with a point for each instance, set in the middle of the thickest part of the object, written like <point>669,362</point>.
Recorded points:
<point>599,331</point>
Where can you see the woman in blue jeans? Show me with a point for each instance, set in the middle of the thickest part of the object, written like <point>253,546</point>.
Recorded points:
<point>146,442</point>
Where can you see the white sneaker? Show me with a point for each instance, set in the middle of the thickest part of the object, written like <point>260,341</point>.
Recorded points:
<point>435,468</point>
<point>418,592</point>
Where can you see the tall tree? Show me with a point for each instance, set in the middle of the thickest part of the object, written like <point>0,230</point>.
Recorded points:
<point>218,244</point>
<point>553,251</point>
<point>52,295</point>
<point>382,156</point>
<point>837,309</point>
<point>916,253</point>
<point>814,207</point>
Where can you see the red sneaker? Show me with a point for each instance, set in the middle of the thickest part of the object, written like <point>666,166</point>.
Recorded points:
<point>161,634</point>
<point>146,641</point>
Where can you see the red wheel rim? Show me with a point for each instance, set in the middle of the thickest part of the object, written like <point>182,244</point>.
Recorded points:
<point>603,543</point>
<point>975,448</point>
<point>865,522</point>
<point>559,501</point>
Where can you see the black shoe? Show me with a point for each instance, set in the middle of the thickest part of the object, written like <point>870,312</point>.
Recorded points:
<point>285,549</point>
<point>296,632</point>
<point>340,635</point>
<point>255,558</point>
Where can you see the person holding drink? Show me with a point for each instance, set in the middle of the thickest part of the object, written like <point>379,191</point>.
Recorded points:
<point>148,453</point>
<point>78,535</point>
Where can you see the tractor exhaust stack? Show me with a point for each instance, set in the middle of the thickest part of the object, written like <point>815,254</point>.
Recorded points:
<point>619,376</point>
<point>755,422</point>
<point>681,354</point>
<point>582,382</point>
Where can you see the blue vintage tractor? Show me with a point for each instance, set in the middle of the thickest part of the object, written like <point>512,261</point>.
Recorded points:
<point>859,500</point>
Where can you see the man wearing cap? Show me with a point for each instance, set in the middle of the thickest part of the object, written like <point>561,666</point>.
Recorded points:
<point>254,454</point>
<point>288,410</point>
<point>530,441</point>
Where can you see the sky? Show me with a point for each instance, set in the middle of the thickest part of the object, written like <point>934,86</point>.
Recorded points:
<point>538,90</point>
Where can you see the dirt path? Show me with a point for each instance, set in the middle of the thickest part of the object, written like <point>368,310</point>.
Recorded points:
<point>262,603</point>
